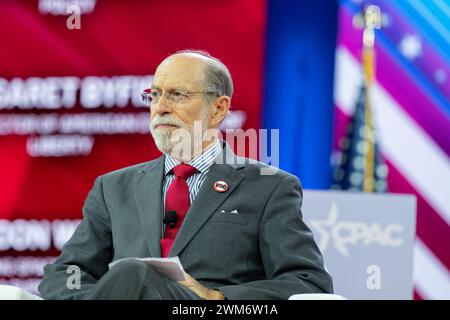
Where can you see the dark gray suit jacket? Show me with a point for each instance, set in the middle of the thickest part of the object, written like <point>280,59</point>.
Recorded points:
<point>263,252</point>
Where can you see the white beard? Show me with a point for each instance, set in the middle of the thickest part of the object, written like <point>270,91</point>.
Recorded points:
<point>183,142</point>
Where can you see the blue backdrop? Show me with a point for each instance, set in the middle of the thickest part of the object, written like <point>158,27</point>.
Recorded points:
<point>301,42</point>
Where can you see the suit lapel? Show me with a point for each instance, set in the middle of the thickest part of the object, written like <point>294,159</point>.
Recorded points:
<point>148,194</point>
<point>208,200</point>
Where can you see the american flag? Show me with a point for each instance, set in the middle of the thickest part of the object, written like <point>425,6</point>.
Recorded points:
<point>410,99</point>
<point>359,165</point>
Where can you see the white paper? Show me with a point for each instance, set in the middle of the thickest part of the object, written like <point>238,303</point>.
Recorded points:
<point>170,267</point>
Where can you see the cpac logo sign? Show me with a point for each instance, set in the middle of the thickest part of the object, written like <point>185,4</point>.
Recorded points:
<point>342,234</point>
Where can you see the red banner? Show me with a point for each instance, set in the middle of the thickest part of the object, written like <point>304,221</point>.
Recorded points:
<point>70,77</point>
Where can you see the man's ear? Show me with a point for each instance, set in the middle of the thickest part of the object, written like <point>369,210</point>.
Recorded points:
<point>219,110</point>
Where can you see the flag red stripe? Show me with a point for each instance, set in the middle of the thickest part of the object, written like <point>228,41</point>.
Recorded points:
<point>431,228</point>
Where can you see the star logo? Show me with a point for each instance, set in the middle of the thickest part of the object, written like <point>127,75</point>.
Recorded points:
<point>344,234</point>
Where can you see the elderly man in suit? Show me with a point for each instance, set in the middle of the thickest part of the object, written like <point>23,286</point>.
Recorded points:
<point>238,233</point>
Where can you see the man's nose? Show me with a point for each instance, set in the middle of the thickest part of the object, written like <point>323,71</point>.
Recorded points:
<point>163,106</point>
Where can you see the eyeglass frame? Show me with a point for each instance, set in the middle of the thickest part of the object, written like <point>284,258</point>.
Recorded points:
<point>146,94</point>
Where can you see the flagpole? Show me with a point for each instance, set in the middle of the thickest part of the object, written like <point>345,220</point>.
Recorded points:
<point>371,20</point>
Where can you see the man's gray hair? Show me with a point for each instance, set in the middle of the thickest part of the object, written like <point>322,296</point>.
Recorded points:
<point>217,76</point>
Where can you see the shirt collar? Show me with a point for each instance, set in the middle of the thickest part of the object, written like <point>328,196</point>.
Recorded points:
<point>201,162</point>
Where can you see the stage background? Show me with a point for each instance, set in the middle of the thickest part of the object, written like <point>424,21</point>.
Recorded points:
<point>69,107</point>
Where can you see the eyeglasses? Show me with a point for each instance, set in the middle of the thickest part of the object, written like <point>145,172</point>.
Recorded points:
<point>150,97</point>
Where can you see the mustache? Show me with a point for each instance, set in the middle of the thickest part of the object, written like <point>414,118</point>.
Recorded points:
<point>160,120</point>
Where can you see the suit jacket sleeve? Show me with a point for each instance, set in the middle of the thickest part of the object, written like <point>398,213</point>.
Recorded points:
<point>90,249</point>
<point>292,261</point>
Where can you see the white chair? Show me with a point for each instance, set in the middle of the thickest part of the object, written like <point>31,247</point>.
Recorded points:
<point>316,296</point>
<point>14,293</point>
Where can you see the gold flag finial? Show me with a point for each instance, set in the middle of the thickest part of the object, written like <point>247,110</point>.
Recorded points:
<point>369,20</point>
<point>372,19</point>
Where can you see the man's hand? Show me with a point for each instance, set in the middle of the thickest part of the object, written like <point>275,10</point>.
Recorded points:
<point>203,292</point>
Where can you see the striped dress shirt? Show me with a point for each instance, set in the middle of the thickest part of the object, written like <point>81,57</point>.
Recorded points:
<point>201,162</point>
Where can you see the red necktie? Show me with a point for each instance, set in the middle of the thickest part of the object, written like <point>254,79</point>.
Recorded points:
<point>177,199</point>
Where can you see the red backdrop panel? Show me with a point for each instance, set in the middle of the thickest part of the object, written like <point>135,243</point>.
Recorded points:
<point>116,39</point>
